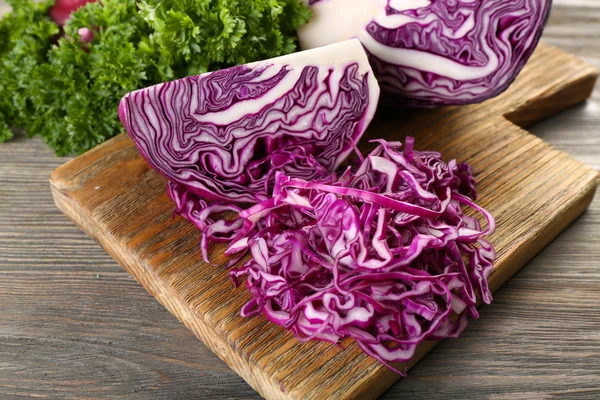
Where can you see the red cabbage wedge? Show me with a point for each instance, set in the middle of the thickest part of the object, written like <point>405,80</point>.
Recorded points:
<point>434,52</point>
<point>221,135</point>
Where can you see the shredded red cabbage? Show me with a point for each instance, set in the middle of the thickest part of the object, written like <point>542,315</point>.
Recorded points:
<point>206,214</point>
<point>382,253</point>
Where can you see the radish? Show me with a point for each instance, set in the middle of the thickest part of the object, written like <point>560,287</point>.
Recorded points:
<point>62,9</point>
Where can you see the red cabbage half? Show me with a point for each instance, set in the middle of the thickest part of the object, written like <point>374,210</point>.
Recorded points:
<point>383,253</point>
<point>434,52</point>
<point>220,136</point>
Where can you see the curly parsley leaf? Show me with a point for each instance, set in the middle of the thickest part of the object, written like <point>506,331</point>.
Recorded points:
<point>68,93</point>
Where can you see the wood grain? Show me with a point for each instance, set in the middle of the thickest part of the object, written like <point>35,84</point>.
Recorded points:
<point>534,191</point>
<point>74,325</point>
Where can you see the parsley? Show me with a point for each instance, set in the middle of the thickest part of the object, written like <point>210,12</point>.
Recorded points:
<point>69,93</point>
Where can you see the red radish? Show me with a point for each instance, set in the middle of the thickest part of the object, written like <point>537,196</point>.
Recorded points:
<point>62,9</point>
<point>86,35</point>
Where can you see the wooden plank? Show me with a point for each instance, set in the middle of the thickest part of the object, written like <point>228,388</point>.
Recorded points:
<point>534,190</point>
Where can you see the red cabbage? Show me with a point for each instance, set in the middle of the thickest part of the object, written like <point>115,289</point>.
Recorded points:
<point>382,253</point>
<point>222,135</point>
<point>435,53</point>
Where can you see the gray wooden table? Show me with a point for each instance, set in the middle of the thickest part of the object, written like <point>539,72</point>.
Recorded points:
<point>74,325</point>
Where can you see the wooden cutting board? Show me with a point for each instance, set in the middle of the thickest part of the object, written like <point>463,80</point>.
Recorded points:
<point>534,191</point>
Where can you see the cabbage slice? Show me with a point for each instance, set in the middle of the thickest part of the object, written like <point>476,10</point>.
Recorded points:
<point>434,53</point>
<point>221,136</point>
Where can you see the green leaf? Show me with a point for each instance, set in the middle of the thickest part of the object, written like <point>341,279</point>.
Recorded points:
<point>5,132</point>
